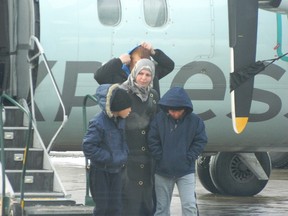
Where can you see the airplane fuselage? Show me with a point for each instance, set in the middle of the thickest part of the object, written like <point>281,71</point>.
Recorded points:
<point>195,36</point>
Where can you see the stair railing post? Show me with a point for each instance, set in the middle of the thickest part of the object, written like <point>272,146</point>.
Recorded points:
<point>88,200</point>
<point>35,40</point>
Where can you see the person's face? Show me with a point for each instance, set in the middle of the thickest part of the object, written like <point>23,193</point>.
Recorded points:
<point>124,113</point>
<point>176,114</point>
<point>143,78</point>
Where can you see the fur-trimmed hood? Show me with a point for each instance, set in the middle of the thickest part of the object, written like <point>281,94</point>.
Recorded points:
<point>104,94</point>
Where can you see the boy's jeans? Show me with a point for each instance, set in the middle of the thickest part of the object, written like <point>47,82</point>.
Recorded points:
<point>164,189</point>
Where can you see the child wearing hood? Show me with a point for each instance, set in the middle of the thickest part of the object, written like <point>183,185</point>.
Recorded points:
<point>176,138</point>
<point>104,144</point>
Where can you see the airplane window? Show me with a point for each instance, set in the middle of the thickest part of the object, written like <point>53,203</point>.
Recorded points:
<point>155,12</point>
<point>109,12</point>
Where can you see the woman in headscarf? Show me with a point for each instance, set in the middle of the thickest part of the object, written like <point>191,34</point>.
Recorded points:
<point>138,191</point>
<point>117,70</point>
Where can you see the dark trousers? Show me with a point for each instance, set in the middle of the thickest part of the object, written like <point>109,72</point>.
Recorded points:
<point>106,190</point>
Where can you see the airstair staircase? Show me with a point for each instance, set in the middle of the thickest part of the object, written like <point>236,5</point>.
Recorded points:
<point>29,181</point>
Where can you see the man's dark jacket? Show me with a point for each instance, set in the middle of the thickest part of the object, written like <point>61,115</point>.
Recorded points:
<point>112,72</point>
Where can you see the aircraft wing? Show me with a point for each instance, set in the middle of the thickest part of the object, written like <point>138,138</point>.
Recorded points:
<point>243,18</point>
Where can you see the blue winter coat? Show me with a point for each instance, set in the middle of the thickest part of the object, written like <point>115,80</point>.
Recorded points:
<point>176,144</point>
<point>104,142</point>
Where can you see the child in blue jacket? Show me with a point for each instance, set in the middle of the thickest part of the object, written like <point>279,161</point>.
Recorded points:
<point>105,146</point>
<point>176,138</point>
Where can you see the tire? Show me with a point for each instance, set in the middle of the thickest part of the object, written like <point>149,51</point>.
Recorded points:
<point>279,159</point>
<point>203,172</point>
<point>232,177</point>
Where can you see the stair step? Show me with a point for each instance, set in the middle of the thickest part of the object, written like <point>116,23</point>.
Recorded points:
<point>15,137</point>
<point>14,116</point>
<point>14,159</point>
<point>76,210</point>
<point>46,199</point>
<point>43,196</point>
<point>35,180</point>
<point>49,202</point>
<point>43,191</point>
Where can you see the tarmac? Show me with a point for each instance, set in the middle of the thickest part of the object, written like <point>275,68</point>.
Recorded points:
<point>271,201</point>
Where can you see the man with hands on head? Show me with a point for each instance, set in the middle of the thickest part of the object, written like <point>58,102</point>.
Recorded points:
<point>118,69</point>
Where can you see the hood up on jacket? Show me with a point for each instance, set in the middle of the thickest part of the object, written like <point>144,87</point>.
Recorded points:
<point>104,94</point>
<point>176,97</point>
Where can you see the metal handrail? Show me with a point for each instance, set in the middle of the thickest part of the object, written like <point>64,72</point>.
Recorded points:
<point>41,53</point>
<point>88,199</point>
<point>26,151</point>
<point>84,113</point>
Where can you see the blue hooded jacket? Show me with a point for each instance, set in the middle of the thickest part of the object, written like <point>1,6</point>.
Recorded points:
<point>104,143</point>
<point>176,144</point>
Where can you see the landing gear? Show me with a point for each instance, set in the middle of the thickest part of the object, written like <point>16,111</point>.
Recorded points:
<point>279,159</point>
<point>230,176</point>
<point>203,171</point>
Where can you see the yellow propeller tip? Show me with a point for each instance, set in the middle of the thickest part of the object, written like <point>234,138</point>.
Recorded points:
<point>241,123</point>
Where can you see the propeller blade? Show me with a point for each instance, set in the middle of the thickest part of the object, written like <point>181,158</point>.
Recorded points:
<point>243,18</point>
